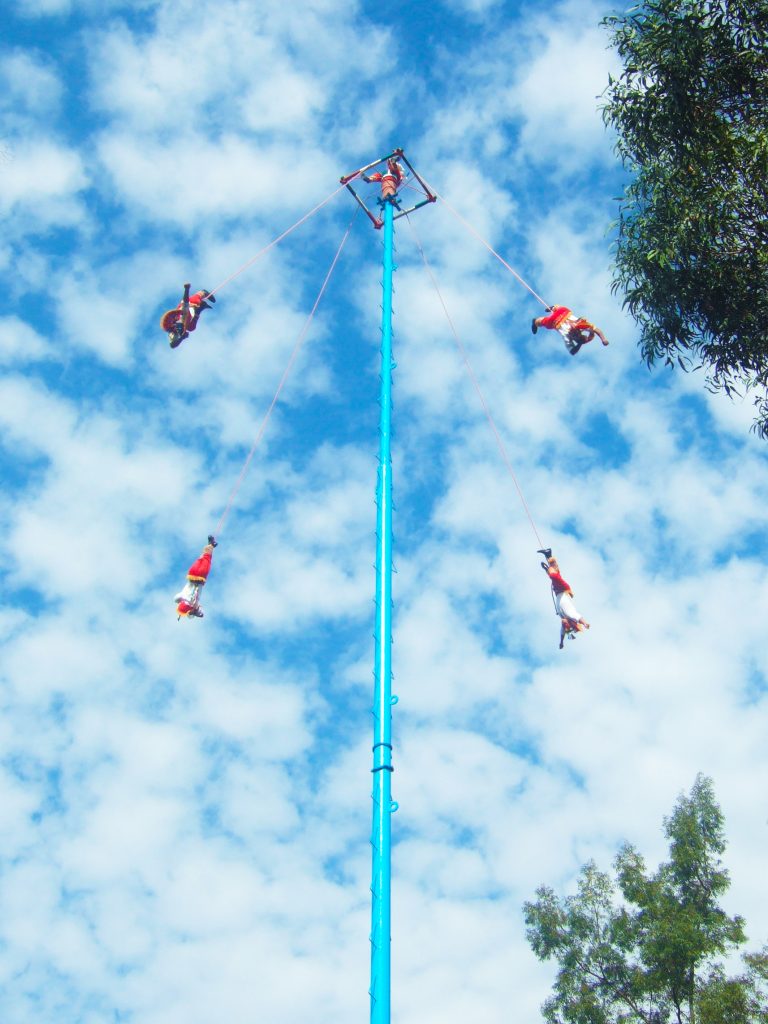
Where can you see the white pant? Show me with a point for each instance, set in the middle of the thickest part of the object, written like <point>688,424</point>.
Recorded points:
<point>566,609</point>
<point>563,329</point>
<point>189,593</point>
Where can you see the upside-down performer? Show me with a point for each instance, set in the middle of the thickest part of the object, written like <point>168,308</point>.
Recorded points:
<point>188,598</point>
<point>179,323</point>
<point>571,620</point>
<point>575,330</point>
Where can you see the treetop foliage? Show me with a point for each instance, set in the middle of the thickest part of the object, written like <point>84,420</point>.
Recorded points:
<point>644,950</point>
<point>690,110</point>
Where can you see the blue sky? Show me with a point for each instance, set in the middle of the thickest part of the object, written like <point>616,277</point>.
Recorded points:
<point>185,807</point>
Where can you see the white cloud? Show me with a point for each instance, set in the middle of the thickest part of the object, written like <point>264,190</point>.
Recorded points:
<point>557,93</point>
<point>20,343</point>
<point>222,179</point>
<point>43,8</point>
<point>72,533</point>
<point>54,8</point>
<point>30,86</point>
<point>472,6</point>
<point>43,180</point>
<point>312,553</point>
<point>287,98</point>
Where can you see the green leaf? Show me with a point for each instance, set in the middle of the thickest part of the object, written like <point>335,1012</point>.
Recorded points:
<point>690,112</point>
<point>636,951</point>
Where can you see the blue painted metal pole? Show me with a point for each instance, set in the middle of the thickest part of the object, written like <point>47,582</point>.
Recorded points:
<point>381,835</point>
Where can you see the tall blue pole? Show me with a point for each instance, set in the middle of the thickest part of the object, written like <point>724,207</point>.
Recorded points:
<point>381,834</point>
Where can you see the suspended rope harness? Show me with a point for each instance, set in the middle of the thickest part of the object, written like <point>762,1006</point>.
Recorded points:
<point>296,348</point>
<point>490,248</point>
<point>473,378</point>
<point>274,241</point>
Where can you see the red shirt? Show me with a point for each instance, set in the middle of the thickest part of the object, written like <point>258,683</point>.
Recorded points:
<point>555,318</point>
<point>559,584</point>
<point>194,300</point>
<point>394,170</point>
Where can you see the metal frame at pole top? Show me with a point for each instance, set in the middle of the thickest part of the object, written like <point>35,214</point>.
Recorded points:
<point>381,836</point>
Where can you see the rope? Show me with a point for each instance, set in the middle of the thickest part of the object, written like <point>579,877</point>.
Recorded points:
<point>490,248</point>
<point>489,417</point>
<point>273,403</point>
<point>279,238</point>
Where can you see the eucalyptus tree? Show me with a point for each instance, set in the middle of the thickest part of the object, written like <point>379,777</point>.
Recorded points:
<point>690,109</point>
<point>645,948</point>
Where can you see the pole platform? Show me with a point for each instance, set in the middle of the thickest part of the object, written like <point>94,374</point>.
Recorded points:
<point>391,193</point>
